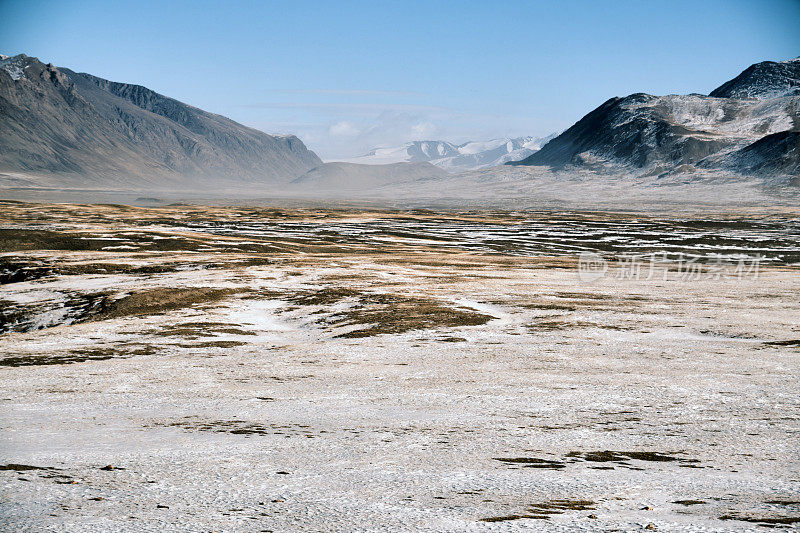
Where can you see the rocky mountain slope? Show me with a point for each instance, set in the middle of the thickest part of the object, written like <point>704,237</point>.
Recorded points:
<point>748,125</point>
<point>456,157</point>
<point>767,79</point>
<point>87,130</point>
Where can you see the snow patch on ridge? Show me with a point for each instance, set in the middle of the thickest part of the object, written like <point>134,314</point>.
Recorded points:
<point>13,65</point>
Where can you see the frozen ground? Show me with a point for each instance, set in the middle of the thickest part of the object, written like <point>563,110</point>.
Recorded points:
<point>244,369</point>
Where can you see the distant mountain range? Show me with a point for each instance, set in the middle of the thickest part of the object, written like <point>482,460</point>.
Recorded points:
<point>456,157</point>
<point>750,125</point>
<point>87,130</point>
<point>60,128</point>
<point>65,130</point>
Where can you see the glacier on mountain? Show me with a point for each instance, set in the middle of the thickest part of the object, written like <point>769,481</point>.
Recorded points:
<point>453,157</point>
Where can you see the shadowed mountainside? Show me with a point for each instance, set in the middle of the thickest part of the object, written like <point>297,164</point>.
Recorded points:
<point>767,79</point>
<point>747,126</point>
<point>94,131</point>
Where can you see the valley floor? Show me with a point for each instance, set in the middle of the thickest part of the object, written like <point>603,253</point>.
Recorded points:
<point>251,369</point>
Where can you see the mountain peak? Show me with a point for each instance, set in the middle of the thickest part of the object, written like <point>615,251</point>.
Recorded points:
<point>747,126</point>
<point>80,128</point>
<point>768,79</point>
<point>15,65</point>
<point>449,156</point>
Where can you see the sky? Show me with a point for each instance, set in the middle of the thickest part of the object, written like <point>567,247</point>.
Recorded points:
<point>350,76</point>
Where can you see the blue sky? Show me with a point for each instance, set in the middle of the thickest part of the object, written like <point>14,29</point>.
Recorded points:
<point>348,76</point>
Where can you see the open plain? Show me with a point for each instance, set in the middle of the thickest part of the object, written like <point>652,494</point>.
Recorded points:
<point>203,368</point>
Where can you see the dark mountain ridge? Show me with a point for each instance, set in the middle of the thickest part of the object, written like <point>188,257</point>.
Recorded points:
<point>745,126</point>
<point>768,79</point>
<point>92,130</point>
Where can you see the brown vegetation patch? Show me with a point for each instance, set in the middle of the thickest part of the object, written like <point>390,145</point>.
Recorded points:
<point>543,511</point>
<point>161,300</point>
<point>325,296</point>
<point>194,330</point>
<point>507,518</point>
<point>244,428</point>
<point>21,468</point>
<point>384,313</point>
<point>214,344</point>
<point>548,305</point>
<point>763,520</point>
<point>46,472</point>
<point>607,456</point>
<point>115,268</point>
<point>578,301</point>
<point>794,342</point>
<point>78,356</point>
<point>392,314</point>
<point>531,462</point>
<point>35,316</point>
<point>451,339</point>
<point>82,307</point>
<point>560,324</point>
<point>14,240</point>
<point>17,269</point>
<point>131,240</point>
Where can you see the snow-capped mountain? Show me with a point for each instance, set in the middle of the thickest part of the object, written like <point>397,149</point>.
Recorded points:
<point>748,125</point>
<point>456,157</point>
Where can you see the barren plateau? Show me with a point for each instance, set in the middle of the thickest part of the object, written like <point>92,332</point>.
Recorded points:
<point>204,368</point>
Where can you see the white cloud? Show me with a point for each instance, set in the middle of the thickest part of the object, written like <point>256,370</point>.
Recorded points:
<point>423,130</point>
<point>337,130</point>
<point>343,129</point>
<point>358,134</point>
